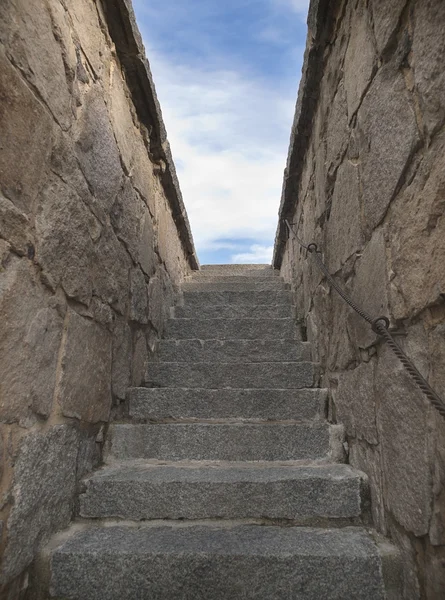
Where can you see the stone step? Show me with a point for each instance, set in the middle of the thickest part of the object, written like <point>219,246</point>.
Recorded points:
<point>160,404</point>
<point>219,441</point>
<point>218,563</point>
<point>244,270</point>
<point>269,284</point>
<point>212,277</point>
<point>225,329</point>
<point>302,494</point>
<point>234,311</point>
<point>201,298</point>
<point>233,350</point>
<point>217,375</point>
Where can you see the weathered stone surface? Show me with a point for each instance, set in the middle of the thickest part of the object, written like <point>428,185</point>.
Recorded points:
<point>360,59</point>
<point>196,299</point>
<point>139,363</point>
<point>15,227</point>
<point>403,434</point>
<point>157,404</point>
<point>111,271</point>
<point>417,233</point>
<point>355,402</point>
<point>204,441</point>
<point>428,52</point>
<point>26,31</point>
<point>235,286</point>
<point>26,132</point>
<point>139,297</point>
<point>224,329</point>
<point>385,17</point>
<point>133,225</point>
<point>370,288</point>
<point>91,34</point>
<point>235,311</point>
<point>84,389</point>
<point>160,299</point>
<point>388,136</point>
<point>97,151</point>
<point>343,230</point>
<point>29,343</point>
<point>44,485</point>
<point>337,128</point>
<point>119,563</point>
<point>195,350</point>
<point>145,491</point>
<point>121,366</point>
<point>65,230</point>
<point>232,375</point>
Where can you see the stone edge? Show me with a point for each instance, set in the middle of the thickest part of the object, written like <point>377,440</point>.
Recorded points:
<point>319,23</point>
<point>130,50</point>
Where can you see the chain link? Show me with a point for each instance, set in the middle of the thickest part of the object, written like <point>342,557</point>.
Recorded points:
<point>380,326</point>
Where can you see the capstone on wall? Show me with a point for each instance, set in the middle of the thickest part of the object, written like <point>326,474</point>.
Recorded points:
<point>94,242</point>
<point>365,180</point>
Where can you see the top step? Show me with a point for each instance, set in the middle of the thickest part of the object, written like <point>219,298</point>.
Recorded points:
<point>238,270</point>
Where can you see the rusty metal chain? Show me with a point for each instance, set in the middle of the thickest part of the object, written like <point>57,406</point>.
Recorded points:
<point>379,325</point>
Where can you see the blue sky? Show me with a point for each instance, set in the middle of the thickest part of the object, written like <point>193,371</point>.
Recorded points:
<point>227,75</point>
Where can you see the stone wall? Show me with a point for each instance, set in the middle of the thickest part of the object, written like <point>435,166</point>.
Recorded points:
<point>94,242</point>
<point>365,180</point>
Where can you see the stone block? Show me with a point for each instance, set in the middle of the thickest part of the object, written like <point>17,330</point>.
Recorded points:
<point>159,404</point>
<point>26,30</point>
<point>91,33</point>
<point>369,289</point>
<point>97,151</point>
<point>235,311</point>
<point>84,389</point>
<point>428,50</point>
<point>291,375</point>
<point>196,300</point>
<point>120,563</point>
<point>388,136</point>
<point>385,18</point>
<point>133,225</point>
<point>111,271</point>
<point>222,441</point>
<point>337,130</point>
<point>43,491</point>
<point>30,337</point>
<point>65,230</point>
<point>355,402</point>
<point>121,366</point>
<point>402,425</point>
<point>27,131</point>
<point>138,297</point>
<point>417,233</point>
<point>302,494</point>
<point>132,141</point>
<point>15,227</point>
<point>343,230</point>
<point>225,329</point>
<point>360,59</point>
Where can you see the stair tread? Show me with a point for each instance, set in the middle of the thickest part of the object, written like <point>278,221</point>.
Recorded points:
<point>241,561</point>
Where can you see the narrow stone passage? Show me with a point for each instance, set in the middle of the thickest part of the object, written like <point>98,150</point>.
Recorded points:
<point>225,482</point>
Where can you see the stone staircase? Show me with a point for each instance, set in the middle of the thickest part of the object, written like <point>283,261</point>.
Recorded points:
<point>225,483</point>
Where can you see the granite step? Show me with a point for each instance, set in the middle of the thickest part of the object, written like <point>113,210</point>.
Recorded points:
<point>219,563</point>
<point>195,350</point>
<point>302,494</point>
<point>161,404</point>
<point>234,311</point>
<point>243,270</point>
<point>219,441</point>
<point>271,284</point>
<point>199,298</point>
<point>229,375</point>
<point>212,277</point>
<point>224,329</point>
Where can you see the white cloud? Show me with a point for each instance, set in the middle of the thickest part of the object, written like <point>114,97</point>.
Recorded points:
<point>229,136</point>
<point>299,6</point>
<point>257,254</point>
